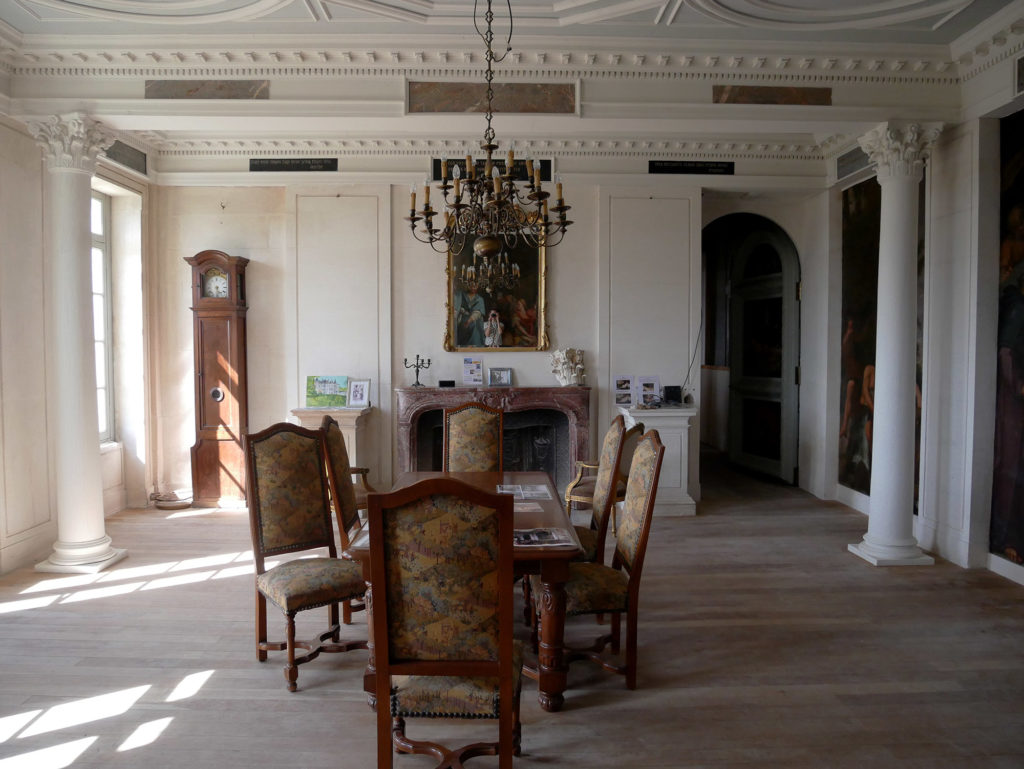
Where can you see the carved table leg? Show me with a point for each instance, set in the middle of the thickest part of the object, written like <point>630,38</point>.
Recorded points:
<point>551,666</point>
<point>370,675</point>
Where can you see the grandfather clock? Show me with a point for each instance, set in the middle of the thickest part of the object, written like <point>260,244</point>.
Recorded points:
<point>222,404</point>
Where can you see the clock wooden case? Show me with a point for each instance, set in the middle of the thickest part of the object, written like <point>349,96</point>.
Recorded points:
<point>221,381</point>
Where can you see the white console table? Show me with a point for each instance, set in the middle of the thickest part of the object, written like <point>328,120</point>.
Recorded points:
<point>353,428</point>
<point>673,425</point>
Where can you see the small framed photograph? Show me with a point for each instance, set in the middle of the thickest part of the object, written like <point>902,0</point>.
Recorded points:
<point>648,385</point>
<point>623,390</point>
<point>359,392</point>
<point>499,377</point>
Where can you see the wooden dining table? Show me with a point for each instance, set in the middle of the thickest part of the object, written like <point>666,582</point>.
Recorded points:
<point>551,562</point>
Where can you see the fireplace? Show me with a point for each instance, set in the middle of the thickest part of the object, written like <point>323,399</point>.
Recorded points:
<point>546,428</point>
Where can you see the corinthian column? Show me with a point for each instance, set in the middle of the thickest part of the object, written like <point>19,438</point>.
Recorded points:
<point>70,144</point>
<point>899,151</point>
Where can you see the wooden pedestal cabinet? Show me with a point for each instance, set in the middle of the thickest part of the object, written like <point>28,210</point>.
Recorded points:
<point>222,411</point>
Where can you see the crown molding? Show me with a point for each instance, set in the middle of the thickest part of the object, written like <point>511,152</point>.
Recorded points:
<point>637,59</point>
<point>694,147</point>
<point>991,42</point>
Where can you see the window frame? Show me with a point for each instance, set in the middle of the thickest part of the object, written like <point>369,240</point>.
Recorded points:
<point>102,243</point>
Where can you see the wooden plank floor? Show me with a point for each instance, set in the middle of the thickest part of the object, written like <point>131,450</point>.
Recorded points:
<point>763,643</point>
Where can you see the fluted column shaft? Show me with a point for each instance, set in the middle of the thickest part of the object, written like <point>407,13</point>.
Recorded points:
<point>899,152</point>
<point>70,145</point>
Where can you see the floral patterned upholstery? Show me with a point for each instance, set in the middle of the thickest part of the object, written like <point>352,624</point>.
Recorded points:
<point>307,583</point>
<point>639,490</point>
<point>347,504</point>
<point>592,588</point>
<point>290,512</point>
<point>452,696</point>
<point>442,607</point>
<point>442,570</point>
<point>472,438</point>
<point>603,492</point>
<point>289,495</point>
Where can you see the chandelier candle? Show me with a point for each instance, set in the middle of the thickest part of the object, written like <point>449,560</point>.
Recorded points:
<point>491,209</point>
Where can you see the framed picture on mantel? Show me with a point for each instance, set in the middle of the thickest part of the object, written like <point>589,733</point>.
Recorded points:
<point>496,304</point>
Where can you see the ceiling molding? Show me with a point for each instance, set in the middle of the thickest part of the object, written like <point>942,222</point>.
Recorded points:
<point>761,148</point>
<point>461,64</point>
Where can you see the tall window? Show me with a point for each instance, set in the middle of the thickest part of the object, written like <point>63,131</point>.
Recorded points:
<point>101,313</point>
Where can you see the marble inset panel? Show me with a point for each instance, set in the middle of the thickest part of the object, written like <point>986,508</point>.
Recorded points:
<point>771,94</point>
<point>550,98</point>
<point>207,89</point>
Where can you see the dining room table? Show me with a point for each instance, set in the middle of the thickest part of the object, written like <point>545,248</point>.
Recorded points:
<point>537,509</point>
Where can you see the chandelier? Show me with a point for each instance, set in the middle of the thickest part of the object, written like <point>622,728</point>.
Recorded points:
<point>490,208</point>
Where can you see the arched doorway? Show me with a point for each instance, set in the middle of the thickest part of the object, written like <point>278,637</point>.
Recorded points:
<point>752,317</point>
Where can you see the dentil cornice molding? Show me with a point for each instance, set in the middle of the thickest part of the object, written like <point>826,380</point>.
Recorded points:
<point>634,59</point>
<point>695,148</point>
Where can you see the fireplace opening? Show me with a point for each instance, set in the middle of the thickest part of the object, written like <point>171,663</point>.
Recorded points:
<point>534,439</point>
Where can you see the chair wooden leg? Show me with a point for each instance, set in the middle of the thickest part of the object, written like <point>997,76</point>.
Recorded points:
<point>261,627</point>
<point>332,617</point>
<point>631,626</point>
<point>346,612</point>
<point>291,671</point>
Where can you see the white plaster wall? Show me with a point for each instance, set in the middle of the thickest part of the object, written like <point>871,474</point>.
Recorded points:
<point>27,523</point>
<point>242,221</point>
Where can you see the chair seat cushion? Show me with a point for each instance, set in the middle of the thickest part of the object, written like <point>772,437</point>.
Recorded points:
<point>584,490</point>
<point>306,583</point>
<point>592,588</point>
<point>452,696</point>
<point>588,539</point>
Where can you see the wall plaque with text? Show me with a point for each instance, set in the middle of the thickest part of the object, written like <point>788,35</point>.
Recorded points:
<point>713,167</point>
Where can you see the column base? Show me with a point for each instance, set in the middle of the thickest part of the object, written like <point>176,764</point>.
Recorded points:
<point>907,555</point>
<point>82,557</point>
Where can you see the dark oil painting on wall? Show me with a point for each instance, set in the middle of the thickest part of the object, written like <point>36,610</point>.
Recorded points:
<point>1006,535</point>
<point>862,212</point>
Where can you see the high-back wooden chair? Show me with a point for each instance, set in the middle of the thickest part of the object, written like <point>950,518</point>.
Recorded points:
<point>473,435</point>
<point>593,588</point>
<point>345,497</point>
<point>441,572</point>
<point>580,489</point>
<point>602,493</point>
<point>289,512</point>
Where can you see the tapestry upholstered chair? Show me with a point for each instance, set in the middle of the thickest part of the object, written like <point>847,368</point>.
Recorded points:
<point>346,499</point>
<point>289,512</point>
<point>593,588</point>
<point>602,492</point>
<point>581,488</point>
<point>472,438</point>
<point>441,573</point>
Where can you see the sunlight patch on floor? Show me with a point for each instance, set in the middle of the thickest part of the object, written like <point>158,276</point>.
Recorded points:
<point>85,711</point>
<point>189,686</point>
<point>54,757</point>
<point>145,734</point>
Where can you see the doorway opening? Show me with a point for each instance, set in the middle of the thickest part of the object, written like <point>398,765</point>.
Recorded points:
<point>751,371</point>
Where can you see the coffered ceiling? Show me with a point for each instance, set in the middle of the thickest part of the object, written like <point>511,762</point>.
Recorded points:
<point>335,72</point>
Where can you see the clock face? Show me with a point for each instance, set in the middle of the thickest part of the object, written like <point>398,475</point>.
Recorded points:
<point>215,283</point>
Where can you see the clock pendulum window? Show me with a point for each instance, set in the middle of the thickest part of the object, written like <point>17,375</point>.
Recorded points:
<point>221,382</point>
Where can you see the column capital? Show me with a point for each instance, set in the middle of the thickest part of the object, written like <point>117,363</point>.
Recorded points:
<point>71,142</point>
<point>899,149</point>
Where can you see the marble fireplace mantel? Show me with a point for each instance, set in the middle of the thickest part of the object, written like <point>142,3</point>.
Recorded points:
<point>413,402</point>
